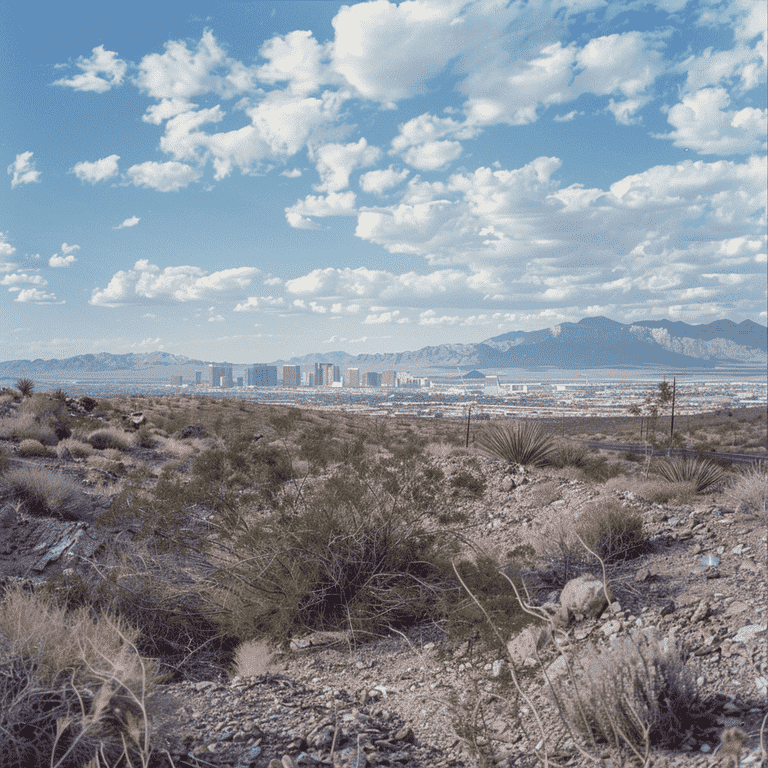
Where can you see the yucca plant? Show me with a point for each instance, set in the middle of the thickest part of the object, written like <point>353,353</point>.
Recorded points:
<point>523,443</point>
<point>702,472</point>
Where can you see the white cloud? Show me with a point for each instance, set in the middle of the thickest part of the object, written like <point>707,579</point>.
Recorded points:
<point>22,169</point>
<point>98,73</point>
<point>6,252</point>
<point>253,303</point>
<point>713,67</point>
<point>296,58</point>
<point>147,284</point>
<point>132,222</point>
<point>216,319</point>
<point>299,214</point>
<point>378,182</point>
<point>164,177</point>
<point>67,249</point>
<point>433,156</point>
<point>335,162</point>
<point>179,73</point>
<point>61,261</point>
<point>703,123</point>
<point>427,128</point>
<point>430,317</point>
<point>99,170</point>
<point>22,279</point>
<point>293,173</point>
<point>382,317</point>
<point>36,296</point>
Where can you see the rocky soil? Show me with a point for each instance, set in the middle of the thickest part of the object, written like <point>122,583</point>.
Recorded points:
<point>411,700</point>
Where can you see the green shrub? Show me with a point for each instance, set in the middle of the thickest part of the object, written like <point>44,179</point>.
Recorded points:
<point>474,485</point>
<point>599,469</point>
<point>29,448</point>
<point>638,684</point>
<point>109,438</point>
<point>523,444</point>
<point>703,473</point>
<point>88,403</point>
<point>345,555</point>
<point>611,531</point>
<point>569,455</point>
<point>41,492</point>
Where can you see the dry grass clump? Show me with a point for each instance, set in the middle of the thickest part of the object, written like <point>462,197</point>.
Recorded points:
<point>631,695</point>
<point>77,448</point>
<point>24,426</point>
<point>71,690</point>
<point>41,492</point>
<point>254,658</point>
<point>749,489</point>
<point>656,490</point>
<point>110,437</point>
<point>29,448</point>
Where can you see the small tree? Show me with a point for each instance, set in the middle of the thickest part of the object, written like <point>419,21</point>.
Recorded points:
<point>655,402</point>
<point>26,387</point>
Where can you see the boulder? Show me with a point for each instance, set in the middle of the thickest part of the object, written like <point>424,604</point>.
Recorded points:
<point>62,453</point>
<point>524,647</point>
<point>192,431</point>
<point>585,595</point>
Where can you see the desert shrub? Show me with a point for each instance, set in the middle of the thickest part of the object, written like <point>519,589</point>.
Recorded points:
<point>110,437</point>
<point>637,685</point>
<point>144,438</point>
<point>318,446</point>
<point>3,462</point>
<point>50,411</point>
<point>611,531</point>
<point>703,473</point>
<point>524,443</point>
<point>633,457</point>
<point>29,448</point>
<point>569,454</point>
<point>71,688</point>
<point>474,485</point>
<point>656,491</point>
<point>77,448</point>
<point>42,493</point>
<point>749,488</point>
<point>599,469</point>
<point>88,403</point>
<point>346,554</point>
<point>23,426</point>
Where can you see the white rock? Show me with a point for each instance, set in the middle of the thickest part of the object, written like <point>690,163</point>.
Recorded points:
<point>585,595</point>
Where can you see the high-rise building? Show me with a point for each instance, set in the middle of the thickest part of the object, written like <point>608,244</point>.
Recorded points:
<point>291,375</point>
<point>389,379</point>
<point>262,376</point>
<point>324,374</point>
<point>371,379</point>
<point>198,377</point>
<point>308,379</point>
<point>239,381</point>
<point>220,375</point>
<point>352,377</point>
<point>336,373</point>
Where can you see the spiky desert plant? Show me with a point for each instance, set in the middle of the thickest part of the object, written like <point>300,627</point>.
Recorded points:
<point>704,473</point>
<point>524,443</point>
<point>26,387</point>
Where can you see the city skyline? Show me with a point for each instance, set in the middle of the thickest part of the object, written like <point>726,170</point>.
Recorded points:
<point>264,180</point>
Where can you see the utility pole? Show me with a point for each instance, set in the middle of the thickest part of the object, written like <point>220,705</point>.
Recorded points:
<point>469,413</point>
<point>672,425</point>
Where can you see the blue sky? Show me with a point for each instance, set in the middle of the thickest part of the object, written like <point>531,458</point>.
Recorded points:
<point>257,180</point>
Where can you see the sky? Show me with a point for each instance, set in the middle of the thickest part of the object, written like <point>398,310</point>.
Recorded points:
<point>253,181</point>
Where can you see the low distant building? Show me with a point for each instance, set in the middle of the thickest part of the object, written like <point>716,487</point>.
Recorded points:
<point>177,381</point>
<point>291,376</point>
<point>262,376</point>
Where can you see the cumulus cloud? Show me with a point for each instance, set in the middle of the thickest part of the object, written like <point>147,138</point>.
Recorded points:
<point>36,296</point>
<point>253,303</point>
<point>22,170</point>
<point>433,155</point>
<point>132,222</point>
<point>299,215</point>
<point>703,123</point>
<point>6,252</point>
<point>293,173</point>
<point>148,284</point>
<point>378,182</point>
<point>61,261</point>
<point>378,318</point>
<point>335,162</point>
<point>164,177</point>
<point>99,170</point>
<point>296,58</point>
<point>98,73</point>
<point>15,280</point>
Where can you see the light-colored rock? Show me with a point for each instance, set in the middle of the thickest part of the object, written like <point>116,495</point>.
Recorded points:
<point>524,647</point>
<point>585,595</point>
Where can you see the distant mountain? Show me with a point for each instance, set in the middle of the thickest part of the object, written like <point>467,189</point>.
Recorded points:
<point>594,342</point>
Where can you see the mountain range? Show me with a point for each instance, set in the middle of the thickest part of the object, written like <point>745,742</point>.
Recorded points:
<point>594,342</point>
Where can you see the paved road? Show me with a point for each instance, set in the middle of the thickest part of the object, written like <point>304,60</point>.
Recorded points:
<point>736,458</point>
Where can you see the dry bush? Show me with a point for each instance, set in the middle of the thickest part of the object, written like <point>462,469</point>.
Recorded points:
<point>110,437</point>
<point>29,448</point>
<point>42,493</point>
<point>542,494</point>
<point>254,658</point>
<point>749,489</point>
<point>71,688</point>
<point>77,448</point>
<point>633,694</point>
<point>24,426</point>
<point>656,491</point>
